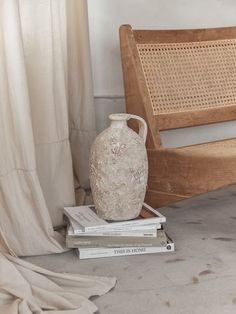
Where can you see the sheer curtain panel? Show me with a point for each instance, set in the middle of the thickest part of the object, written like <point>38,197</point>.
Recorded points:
<point>46,111</point>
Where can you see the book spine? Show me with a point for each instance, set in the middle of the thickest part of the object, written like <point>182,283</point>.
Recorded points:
<point>112,252</point>
<point>131,230</point>
<point>88,241</point>
<point>122,229</point>
<point>144,233</point>
<point>123,224</point>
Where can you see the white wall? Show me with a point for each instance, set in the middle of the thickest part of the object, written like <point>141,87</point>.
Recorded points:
<point>105,17</point>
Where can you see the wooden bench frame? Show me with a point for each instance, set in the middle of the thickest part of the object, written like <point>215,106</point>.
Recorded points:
<point>169,168</point>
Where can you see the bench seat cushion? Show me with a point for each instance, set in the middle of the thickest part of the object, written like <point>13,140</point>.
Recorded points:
<point>194,169</point>
<point>216,149</point>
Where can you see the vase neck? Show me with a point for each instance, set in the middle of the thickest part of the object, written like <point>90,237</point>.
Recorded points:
<point>118,124</point>
<point>118,120</point>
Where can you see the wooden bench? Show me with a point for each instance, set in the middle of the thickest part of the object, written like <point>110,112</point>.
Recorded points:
<point>178,79</point>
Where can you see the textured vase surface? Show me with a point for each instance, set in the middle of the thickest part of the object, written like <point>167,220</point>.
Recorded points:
<point>119,169</point>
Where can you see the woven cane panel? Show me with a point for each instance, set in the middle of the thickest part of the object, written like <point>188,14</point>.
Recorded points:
<point>193,76</point>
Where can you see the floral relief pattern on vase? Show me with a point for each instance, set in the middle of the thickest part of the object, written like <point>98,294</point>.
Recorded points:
<point>119,169</point>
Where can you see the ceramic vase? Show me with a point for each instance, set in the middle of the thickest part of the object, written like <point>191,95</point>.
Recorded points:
<point>119,169</point>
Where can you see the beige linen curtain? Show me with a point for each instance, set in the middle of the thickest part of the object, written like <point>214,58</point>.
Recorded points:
<point>29,289</point>
<point>45,106</point>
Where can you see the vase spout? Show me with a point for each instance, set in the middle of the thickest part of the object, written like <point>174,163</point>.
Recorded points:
<point>119,120</point>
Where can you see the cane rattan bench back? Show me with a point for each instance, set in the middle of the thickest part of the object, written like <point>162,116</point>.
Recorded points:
<point>193,76</point>
<point>184,77</point>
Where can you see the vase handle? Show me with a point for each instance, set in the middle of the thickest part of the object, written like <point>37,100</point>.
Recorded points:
<point>142,126</point>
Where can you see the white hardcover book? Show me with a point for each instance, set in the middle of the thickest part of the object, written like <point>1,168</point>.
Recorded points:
<point>87,218</point>
<point>151,233</point>
<point>77,229</point>
<point>87,253</point>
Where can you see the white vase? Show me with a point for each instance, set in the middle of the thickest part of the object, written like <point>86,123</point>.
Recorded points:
<point>119,169</point>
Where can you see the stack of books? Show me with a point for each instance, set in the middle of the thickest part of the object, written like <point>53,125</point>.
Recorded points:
<point>95,237</point>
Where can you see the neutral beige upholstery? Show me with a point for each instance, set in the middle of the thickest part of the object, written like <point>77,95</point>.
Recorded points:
<point>214,149</point>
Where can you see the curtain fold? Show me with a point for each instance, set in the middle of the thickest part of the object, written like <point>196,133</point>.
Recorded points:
<point>25,222</point>
<point>80,89</point>
<point>26,288</point>
<point>46,112</point>
<point>47,115</point>
<point>44,36</point>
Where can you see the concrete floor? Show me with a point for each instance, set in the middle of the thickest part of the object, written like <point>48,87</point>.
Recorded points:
<point>198,278</point>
